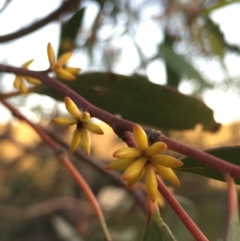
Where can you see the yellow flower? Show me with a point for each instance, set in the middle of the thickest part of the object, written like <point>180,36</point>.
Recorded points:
<point>65,73</point>
<point>19,80</point>
<point>84,125</point>
<point>145,160</point>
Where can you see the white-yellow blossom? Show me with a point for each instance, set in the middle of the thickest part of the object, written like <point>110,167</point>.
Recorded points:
<point>58,66</point>
<point>145,160</point>
<point>84,125</point>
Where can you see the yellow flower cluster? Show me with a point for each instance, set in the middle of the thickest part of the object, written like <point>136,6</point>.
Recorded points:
<point>62,71</point>
<point>145,159</point>
<point>18,82</point>
<point>84,125</point>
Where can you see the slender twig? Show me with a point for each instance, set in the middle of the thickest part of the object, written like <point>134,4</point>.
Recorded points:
<point>45,208</point>
<point>60,153</point>
<point>5,6</point>
<point>232,206</point>
<point>99,166</point>
<point>190,225</point>
<point>88,192</point>
<point>35,26</point>
<point>203,157</point>
<point>120,126</point>
<point>90,160</point>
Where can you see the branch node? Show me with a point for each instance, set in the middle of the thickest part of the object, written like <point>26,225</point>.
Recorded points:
<point>153,135</point>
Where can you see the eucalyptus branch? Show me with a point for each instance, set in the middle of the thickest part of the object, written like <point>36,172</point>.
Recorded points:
<point>35,26</point>
<point>120,126</point>
<point>99,166</point>
<point>203,157</point>
<point>62,156</point>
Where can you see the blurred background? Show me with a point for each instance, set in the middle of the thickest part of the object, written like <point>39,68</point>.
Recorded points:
<point>186,46</point>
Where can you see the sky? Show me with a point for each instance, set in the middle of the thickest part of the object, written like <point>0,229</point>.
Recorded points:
<point>225,103</point>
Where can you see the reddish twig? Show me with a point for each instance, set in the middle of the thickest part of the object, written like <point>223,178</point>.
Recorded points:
<point>60,153</point>
<point>120,126</point>
<point>232,206</point>
<point>191,226</point>
<point>203,157</point>
<point>99,166</point>
<point>88,192</point>
<point>35,26</point>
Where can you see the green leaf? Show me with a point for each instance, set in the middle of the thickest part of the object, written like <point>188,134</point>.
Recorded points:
<point>70,31</point>
<point>218,5</point>
<point>230,154</point>
<point>177,227</point>
<point>217,39</point>
<point>173,78</point>
<point>137,99</point>
<point>157,230</point>
<point>179,64</point>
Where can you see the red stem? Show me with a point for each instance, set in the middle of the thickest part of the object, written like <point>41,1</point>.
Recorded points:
<point>66,162</point>
<point>120,126</point>
<point>203,157</point>
<point>88,192</point>
<point>190,225</point>
<point>232,202</point>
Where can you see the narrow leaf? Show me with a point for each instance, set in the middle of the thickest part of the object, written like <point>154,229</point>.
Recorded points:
<point>70,31</point>
<point>173,78</point>
<point>179,64</point>
<point>137,99</point>
<point>230,154</point>
<point>218,5</point>
<point>157,230</point>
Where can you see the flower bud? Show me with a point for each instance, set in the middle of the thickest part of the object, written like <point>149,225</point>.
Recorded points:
<point>76,139</point>
<point>23,88</point>
<point>73,70</point>
<point>65,75</point>
<point>133,181</point>
<point>17,82</point>
<point>155,148</point>
<point>168,174</point>
<point>64,58</point>
<point>134,169</point>
<point>25,65</point>
<point>51,54</point>
<point>127,152</point>
<point>72,108</point>
<point>160,199</point>
<point>85,140</point>
<point>119,164</point>
<point>166,161</point>
<point>94,128</point>
<point>85,116</point>
<point>151,182</point>
<point>65,121</point>
<point>140,137</point>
